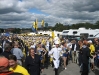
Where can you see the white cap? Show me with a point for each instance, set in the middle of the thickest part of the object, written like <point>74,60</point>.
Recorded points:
<point>32,46</point>
<point>89,41</point>
<point>56,42</point>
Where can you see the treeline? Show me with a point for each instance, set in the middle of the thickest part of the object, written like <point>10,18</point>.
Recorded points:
<point>57,27</point>
<point>61,27</point>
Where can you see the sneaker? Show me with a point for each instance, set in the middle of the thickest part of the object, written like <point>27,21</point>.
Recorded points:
<point>65,68</point>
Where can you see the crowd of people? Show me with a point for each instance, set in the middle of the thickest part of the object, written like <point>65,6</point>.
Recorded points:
<point>29,55</point>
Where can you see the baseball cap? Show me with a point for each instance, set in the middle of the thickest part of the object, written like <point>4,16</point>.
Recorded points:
<point>4,62</point>
<point>56,42</point>
<point>89,41</point>
<point>32,46</point>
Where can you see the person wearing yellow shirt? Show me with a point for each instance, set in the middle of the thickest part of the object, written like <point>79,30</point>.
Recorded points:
<point>15,67</point>
<point>92,53</point>
<point>91,47</point>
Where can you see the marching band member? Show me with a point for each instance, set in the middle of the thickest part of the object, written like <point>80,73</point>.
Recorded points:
<point>41,51</point>
<point>51,57</point>
<point>65,54</point>
<point>56,56</point>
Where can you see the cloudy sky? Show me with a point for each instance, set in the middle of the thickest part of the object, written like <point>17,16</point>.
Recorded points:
<point>22,13</point>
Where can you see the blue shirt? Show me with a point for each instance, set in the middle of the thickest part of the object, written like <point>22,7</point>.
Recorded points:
<point>17,52</point>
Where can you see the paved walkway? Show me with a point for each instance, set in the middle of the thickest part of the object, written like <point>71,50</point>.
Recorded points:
<point>72,69</point>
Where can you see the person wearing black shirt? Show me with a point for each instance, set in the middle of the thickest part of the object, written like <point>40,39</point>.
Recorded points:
<point>85,58</point>
<point>1,49</point>
<point>7,49</point>
<point>33,63</point>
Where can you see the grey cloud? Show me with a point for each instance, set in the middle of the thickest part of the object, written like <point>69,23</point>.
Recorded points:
<point>15,16</point>
<point>8,10</point>
<point>86,5</point>
<point>78,9</point>
<point>7,6</point>
<point>63,11</point>
<point>84,15</point>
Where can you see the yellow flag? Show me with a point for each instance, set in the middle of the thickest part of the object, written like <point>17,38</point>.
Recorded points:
<point>42,23</point>
<point>43,41</point>
<point>36,23</point>
<point>34,26</point>
<point>53,35</point>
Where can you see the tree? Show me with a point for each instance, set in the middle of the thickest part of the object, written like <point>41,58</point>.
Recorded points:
<point>1,30</point>
<point>97,23</point>
<point>17,30</point>
<point>59,27</point>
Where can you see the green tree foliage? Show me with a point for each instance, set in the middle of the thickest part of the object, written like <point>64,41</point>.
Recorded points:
<point>96,25</point>
<point>1,30</point>
<point>61,27</point>
<point>17,30</point>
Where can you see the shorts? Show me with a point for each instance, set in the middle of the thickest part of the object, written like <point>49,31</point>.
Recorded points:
<point>92,60</point>
<point>64,55</point>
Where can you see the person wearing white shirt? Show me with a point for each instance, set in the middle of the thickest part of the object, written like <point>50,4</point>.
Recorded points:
<point>73,51</point>
<point>56,56</point>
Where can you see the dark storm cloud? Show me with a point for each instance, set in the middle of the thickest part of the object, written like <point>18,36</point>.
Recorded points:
<point>83,15</point>
<point>14,17</point>
<point>86,5</point>
<point>14,13</point>
<point>9,10</point>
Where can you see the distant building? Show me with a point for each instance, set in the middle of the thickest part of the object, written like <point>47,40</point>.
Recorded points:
<point>25,30</point>
<point>9,30</point>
